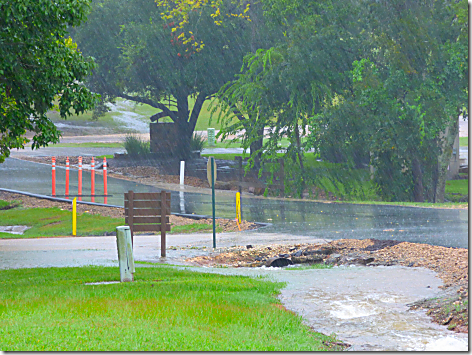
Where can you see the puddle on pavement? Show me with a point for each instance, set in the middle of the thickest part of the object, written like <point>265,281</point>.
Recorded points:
<point>364,306</point>
<point>13,229</point>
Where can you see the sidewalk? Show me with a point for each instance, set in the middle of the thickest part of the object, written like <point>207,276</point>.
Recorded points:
<point>81,251</point>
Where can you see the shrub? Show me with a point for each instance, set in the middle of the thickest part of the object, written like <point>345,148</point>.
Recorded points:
<point>136,146</point>
<point>197,142</point>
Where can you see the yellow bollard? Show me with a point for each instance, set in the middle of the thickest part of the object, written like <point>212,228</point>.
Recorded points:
<point>74,216</point>
<point>238,207</point>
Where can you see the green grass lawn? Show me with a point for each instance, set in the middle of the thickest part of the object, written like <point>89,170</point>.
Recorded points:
<point>108,156</point>
<point>458,186</point>
<point>164,309</point>
<point>54,222</point>
<point>4,205</point>
<point>195,228</point>
<point>463,141</point>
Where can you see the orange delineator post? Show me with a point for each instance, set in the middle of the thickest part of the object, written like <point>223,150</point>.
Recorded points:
<point>92,178</point>
<point>80,179</point>
<point>54,176</point>
<point>67,177</point>
<point>105,179</point>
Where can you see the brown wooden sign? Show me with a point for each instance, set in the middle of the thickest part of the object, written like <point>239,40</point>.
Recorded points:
<point>148,212</point>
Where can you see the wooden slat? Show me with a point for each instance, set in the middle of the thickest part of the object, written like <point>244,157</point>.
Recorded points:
<point>144,211</point>
<point>149,227</point>
<point>144,204</point>
<point>151,219</point>
<point>145,196</point>
<point>130,216</point>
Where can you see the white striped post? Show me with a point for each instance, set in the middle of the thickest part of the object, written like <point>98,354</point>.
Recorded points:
<point>53,176</point>
<point>105,179</point>
<point>80,179</point>
<point>92,178</point>
<point>67,177</point>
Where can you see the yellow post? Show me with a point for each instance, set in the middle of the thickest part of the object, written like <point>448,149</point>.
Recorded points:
<point>238,207</point>
<point>74,216</point>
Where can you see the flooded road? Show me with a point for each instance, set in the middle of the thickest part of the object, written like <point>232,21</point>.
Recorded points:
<point>445,227</point>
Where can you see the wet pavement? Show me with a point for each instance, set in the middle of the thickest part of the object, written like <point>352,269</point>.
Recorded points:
<point>444,227</point>
<point>81,251</point>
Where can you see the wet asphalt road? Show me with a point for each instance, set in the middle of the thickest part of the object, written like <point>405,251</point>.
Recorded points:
<point>445,227</point>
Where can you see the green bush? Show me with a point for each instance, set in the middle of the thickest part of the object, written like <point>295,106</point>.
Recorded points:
<point>136,146</point>
<point>197,142</point>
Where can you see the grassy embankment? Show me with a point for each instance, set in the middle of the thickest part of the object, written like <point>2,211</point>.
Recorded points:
<point>165,309</point>
<point>144,112</point>
<point>53,222</point>
<point>454,188</point>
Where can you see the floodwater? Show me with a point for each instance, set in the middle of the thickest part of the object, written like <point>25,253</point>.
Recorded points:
<point>304,218</point>
<point>364,306</point>
<point>122,112</point>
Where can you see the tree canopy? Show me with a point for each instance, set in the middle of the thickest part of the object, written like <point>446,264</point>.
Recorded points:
<point>374,82</point>
<point>146,58</point>
<point>39,65</point>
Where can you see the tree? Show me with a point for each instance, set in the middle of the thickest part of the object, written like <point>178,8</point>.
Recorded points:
<point>141,57</point>
<point>411,88</point>
<point>38,65</point>
<point>378,78</point>
<point>280,88</point>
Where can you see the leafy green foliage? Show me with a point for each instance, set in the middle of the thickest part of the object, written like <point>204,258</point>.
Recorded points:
<point>140,58</point>
<point>134,145</point>
<point>378,84</point>
<point>38,63</point>
<point>197,142</point>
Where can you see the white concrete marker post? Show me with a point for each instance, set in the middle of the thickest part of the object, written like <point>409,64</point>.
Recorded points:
<point>182,176</point>
<point>125,253</point>
<point>182,172</point>
<point>211,137</point>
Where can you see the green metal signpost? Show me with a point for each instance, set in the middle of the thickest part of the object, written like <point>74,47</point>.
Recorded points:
<point>211,175</point>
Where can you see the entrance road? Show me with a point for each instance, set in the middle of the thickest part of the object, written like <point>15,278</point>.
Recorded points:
<point>445,227</point>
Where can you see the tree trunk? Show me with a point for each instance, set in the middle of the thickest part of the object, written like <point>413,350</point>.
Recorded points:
<point>446,142</point>
<point>418,195</point>
<point>256,148</point>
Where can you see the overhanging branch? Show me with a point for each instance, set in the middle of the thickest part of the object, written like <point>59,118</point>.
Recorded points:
<point>143,100</point>
<point>156,117</point>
